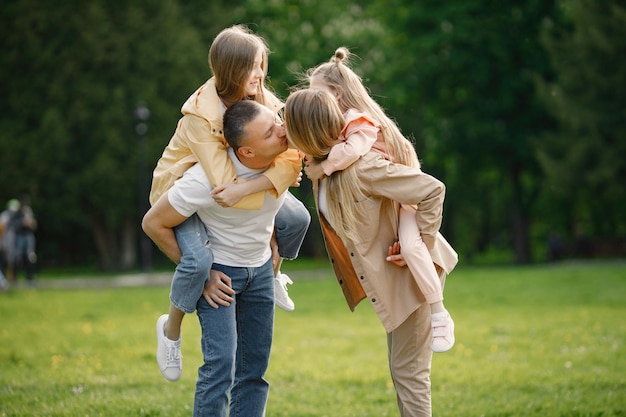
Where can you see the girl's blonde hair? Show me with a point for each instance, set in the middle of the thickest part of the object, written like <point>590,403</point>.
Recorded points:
<point>231,58</point>
<point>313,123</point>
<point>352,94</point>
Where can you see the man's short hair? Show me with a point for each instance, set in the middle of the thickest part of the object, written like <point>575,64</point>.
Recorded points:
<point>236,118</point>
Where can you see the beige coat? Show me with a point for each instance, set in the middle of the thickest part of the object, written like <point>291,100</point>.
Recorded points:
<point>199,137</point>
<point>362,269</point>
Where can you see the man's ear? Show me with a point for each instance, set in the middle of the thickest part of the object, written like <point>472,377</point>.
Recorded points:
<point>246,152</point>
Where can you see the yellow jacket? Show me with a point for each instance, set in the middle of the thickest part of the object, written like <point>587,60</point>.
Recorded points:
<point>199,137</point>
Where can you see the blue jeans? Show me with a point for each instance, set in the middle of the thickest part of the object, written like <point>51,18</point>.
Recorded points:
<point>292,222</point>
<point>195,264</point>
<point>236,343</point>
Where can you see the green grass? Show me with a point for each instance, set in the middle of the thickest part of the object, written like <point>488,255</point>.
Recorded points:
<point>531,341</point>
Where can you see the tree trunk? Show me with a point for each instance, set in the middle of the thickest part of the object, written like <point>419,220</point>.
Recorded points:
<point>117,249</point>
<point>520,226</point>
<point>521,239</point>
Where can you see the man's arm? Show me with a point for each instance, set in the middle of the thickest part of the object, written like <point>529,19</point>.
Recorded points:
<point>159,223</point>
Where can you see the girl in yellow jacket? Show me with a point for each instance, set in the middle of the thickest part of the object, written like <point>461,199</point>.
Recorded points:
<point>238,61</point>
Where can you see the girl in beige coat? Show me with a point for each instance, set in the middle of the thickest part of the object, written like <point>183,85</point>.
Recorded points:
<point>367,127</point>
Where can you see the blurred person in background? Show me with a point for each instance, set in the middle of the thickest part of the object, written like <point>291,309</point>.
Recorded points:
<point>17,226</point>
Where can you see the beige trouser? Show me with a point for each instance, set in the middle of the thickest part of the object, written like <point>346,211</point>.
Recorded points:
<point>409,362</point>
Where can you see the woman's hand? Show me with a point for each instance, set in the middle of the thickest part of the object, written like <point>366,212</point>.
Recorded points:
<point>217,290</point>
<point>394,256</point>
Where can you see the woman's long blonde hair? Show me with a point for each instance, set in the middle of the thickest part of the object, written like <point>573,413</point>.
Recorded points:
<point>231,58</point>
<point>313,123</point>
<point>337,75</point>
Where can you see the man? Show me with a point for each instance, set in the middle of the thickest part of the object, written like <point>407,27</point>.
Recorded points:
<point>236,313</point>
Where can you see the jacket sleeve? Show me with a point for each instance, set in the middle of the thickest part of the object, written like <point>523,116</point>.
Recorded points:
<point>406,185</point>
<point>284,170</point>
<point>360,135</point>
<point>210,151</point>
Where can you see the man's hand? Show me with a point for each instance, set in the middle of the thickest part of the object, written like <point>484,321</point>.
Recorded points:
<point>275,254</point>
<point>218,290</point>
<point>394,256</point>
<point>313,170</point>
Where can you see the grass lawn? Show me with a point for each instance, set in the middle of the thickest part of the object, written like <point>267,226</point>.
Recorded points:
<point>543,340</point>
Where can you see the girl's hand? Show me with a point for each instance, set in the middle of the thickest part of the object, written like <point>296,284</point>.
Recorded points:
<point>298,180</point>
<point>227,195</point>
<point>394,256</point>
<point>314,170</point>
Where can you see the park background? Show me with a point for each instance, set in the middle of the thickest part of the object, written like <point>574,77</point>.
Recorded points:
<point>518,106</point>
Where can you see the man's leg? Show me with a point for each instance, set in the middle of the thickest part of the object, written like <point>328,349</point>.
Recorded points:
<point>219,349</point>
<point>255,326</point>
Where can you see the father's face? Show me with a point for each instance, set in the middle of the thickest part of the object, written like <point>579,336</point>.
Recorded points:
<point>265,135</point>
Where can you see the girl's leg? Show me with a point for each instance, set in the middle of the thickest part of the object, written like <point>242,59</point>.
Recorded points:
<point>187,285</point>
<point>421,265</point>
<point>417,257</point>
<point>191,273</point>
<point>292,222</point>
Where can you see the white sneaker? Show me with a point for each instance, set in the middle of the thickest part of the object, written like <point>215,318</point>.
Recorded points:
<point>168,353</point>
<point>442,332</point>
<point>280,292</point>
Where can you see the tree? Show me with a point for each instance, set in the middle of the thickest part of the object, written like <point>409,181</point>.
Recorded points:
<point>72,75</point>
<point>465,72</point>
<point>584,160</point>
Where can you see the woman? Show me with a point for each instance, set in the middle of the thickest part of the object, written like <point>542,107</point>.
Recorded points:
<point>359,213</point>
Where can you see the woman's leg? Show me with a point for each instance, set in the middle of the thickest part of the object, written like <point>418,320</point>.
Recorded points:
<point>409,362</point>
